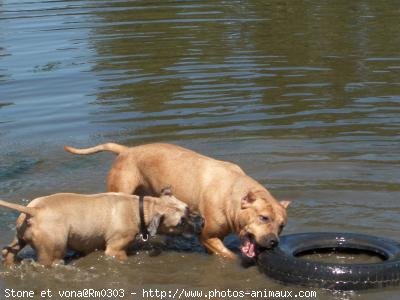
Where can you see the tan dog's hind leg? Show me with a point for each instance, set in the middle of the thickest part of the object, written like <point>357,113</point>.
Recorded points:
<point>216,246</point>
<point>120,186</point>
<point>9,252</point>
<point>122,181</point>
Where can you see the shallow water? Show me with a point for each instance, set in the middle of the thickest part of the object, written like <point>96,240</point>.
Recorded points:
<point>342,256</point>
<point>303,95</point>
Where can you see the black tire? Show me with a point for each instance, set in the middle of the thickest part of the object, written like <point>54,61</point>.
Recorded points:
<point>282,264</point>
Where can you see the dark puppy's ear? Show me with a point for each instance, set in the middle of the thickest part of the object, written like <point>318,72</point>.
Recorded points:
<point>154,224</point>
<point>248,199</point>
<point>166,191</point>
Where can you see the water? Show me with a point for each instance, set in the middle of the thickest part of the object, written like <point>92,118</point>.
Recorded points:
<point>346,256</point>
<point>303,95</point>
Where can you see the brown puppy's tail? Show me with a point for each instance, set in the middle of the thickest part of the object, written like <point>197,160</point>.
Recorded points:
<point>24,209</point>
<point>104,147</point>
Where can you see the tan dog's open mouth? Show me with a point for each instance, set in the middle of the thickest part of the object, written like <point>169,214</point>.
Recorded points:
<point>248,246</point>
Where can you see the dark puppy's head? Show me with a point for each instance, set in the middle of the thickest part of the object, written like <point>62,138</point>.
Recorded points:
<point>261,220</point>
<point>175,218</point>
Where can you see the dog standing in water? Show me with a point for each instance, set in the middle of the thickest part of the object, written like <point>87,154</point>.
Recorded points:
<point>229,200</point>
<point>85,223</point>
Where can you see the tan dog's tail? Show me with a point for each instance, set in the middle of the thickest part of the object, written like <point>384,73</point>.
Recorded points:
<point>24,209</point>
<point>104,147</point>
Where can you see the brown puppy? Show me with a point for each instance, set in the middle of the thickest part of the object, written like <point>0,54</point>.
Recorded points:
<point>228,199</point>
<point>84,223</point>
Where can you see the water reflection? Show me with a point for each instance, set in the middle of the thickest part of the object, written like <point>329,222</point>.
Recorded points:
<point>268,70</point>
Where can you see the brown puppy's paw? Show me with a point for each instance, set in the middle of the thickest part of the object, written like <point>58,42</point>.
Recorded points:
<point>8,257</point>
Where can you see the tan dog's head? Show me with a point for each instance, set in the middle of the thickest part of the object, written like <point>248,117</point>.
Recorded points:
<point>261,220</point>
<point>175,217</point>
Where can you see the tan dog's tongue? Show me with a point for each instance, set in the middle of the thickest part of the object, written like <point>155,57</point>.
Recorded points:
<point>248,249</point>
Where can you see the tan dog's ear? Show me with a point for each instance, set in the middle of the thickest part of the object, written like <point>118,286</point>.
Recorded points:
<point>154,224</point>
<point>285,203</point>
<point>248,199</point>
<point>166,191</point>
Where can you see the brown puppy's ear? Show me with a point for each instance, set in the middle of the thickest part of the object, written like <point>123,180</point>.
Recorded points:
<point>248,199</point>
<point>154,224</point>
<point>285,203</point>
<point>166,191</point>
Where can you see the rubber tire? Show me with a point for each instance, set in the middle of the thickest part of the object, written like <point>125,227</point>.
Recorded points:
<point>282,264</point>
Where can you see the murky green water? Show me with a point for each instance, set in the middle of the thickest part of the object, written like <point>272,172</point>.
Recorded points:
<point>304,95</point>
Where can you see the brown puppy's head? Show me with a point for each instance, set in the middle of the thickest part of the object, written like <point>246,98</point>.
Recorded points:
<point>261,220</point>
<point>174,217</point>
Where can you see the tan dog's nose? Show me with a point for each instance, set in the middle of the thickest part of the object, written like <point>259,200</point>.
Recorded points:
<point>270,241</point>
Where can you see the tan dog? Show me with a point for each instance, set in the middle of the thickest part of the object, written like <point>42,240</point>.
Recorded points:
<point>228,199</point>
<point>84,223</point>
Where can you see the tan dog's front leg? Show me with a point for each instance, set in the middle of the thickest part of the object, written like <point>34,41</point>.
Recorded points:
<point>216,246</point>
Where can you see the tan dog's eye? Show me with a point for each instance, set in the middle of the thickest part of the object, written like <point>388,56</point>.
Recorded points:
<point>264,219</point>
<point>281,228</point>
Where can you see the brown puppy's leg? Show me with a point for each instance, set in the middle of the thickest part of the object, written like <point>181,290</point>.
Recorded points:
<point>118,254</point>
<point>18,243</point>
<point>117,247</point>
<point>49,249</point>
<point>48,255</point>
<point>44,257</point>
<point>216,246</point>
<point>9,252</point>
